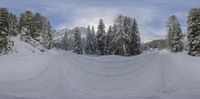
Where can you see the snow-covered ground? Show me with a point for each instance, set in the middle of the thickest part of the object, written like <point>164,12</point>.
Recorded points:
<point>65,75</point>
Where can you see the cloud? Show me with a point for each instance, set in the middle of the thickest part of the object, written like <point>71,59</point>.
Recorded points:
<point>149,19</point>
<point>151,15</point>
<point>91,15</point>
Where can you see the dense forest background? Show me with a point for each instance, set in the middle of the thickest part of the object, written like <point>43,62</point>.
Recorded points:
<point>121,38</point>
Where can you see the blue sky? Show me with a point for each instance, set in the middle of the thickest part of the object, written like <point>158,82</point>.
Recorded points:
<point>151,14</point>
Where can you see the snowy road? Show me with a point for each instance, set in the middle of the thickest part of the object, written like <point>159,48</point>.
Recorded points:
<point>64,75</point>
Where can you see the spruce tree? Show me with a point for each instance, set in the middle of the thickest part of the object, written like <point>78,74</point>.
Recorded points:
<point>114,45</point>
<point>5,46</point>
<point>127,34</point>
<point>174,35</point>
<point>40,23</point>
<point>194,32</point>
<point>93,40</point>
<point>26,25</point>
<point>35,27</point>
<point>42,31</point>
<point>65,40</point>
<point>123,35</point>
<point>13,23</point>
<point>119,37</point>
<point>89,41</point>
<point>77,41</point>
<point>108,49</point>
<point>101,38</point>
<point>135,43</point>
<point>47,35</point>
<point>138,39</point>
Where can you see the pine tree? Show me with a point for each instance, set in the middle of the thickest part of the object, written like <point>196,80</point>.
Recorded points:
<point>109,38</point>
<point>194,32</point>
<point>127,32</point>
<point>47,35</point>
<point>35,27</point>
<point>89,42</point>
<point>114,45</point>
<point>135,43</point>
<point>26,25</point>
<point>5,46</point>
<point>118,38</point>
<point>174,35</point>
<point>121,37</point>
<point>71,42</point>
<point>65,40</point>
<point>13,23</point>
<point>42,31</point>
<point>40,23</point>
<point>138,39</point>
<point>77,41</point>
<point>93,40</point>
<point>101,38</point>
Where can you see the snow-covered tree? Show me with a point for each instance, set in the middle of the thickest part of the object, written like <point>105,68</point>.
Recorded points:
<point>93,40</point>
<point>35,27</point>
<point>113,42</point>
<point>13,24</point>
<point>77,41</point>
<point>134,47</point>
<point>101,38</point>
<point>40,23</point>
<point>26,25</point>
<point>127,29</point>
<point>5,46</point>
<point>71,42</point>
<point>47,35</point>
<point>65,40</point>
<point>89,42</point>
<point>126,36</point>
<point>174,35</point>
<point>120,36</point>
<point>194,32</point>
<point>109,37</point>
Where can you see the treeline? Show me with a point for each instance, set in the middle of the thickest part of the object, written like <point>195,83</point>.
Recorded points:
<point>29,26</point>
<point>122,38</point>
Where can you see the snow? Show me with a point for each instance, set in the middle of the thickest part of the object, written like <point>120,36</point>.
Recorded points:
<point>65,75</point>
<point>22,62</point>
<point>23,48</point>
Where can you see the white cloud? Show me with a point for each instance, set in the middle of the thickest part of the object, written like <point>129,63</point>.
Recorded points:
<point>146,18</point>
<point>91,16</point>
<point>182,17</point>
<point>151,15</point>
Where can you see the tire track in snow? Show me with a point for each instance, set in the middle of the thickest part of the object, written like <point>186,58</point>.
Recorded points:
<point>136,68</point>
<point>132,66</point>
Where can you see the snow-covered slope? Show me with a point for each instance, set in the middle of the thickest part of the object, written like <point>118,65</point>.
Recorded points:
<point>65,75</point>
<point>21,63</point>
<point>21,47</point>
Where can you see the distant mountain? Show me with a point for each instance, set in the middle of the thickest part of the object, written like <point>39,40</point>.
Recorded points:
<point>59,34</point>
<point>160,44</point>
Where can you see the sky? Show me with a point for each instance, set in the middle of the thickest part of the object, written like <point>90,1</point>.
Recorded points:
<point>151,15</point>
